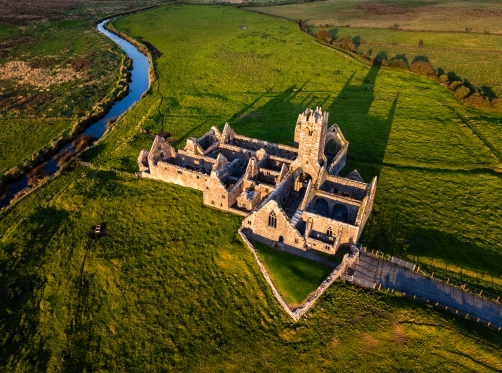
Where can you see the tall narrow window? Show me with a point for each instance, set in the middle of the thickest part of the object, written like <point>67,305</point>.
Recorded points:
<point>310,133</point>
<point>272,220</point>
<point>329,232</point>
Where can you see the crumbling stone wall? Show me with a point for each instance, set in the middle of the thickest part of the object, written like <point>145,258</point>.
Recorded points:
<point>237,173</point>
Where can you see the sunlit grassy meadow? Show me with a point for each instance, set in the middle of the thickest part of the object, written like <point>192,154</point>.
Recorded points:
<point>171,287</point>
<point>438,162</point>
<point>472,56</point>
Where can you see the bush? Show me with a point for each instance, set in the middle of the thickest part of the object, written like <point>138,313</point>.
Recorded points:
<point>454,85</point>
<point>399,63</point>
<point>347,43</point>
<point>367,55</point>
<point>478,100</point>
<point>324,35</point>
<point>421,43</point>
<point>497,104</point>
<point>443,78</point>
<point>424,68</point>
<point>462,92</point>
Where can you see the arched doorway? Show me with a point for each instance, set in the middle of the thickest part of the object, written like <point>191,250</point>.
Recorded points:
<point>281,239</point>
<point>340,212</point>
<point>321,207</point>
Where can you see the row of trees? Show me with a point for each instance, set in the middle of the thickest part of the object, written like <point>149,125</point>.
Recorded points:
<point>460,89</point>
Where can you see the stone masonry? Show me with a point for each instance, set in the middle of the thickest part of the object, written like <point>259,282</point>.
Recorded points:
<point>288,194</point>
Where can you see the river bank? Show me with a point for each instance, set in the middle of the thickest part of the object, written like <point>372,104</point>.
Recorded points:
<point>133,82</point>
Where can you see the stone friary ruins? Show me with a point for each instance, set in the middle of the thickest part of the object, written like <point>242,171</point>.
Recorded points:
<point>288,194</point>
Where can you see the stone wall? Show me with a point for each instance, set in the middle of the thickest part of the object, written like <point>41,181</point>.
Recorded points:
<point>347,261</point>
<point>283,231</point>
<point>347,232</point>
<point>177,175</point>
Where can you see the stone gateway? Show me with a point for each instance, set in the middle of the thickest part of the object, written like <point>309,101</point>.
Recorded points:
<point>288,194</point>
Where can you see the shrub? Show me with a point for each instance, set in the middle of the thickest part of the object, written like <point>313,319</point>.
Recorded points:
<point>82,142</point>
<point>443,78</point>
<point>462,92</point>
<point>424,68</point>
<point>399,63</point>
<point>497,104</point>
<point>477,100</point>
<point>324,35</point>
<point>367,55</point>
<point>421,43</point>
<point>347,43</point>
<point>13,173</point>
<point>454,85</point>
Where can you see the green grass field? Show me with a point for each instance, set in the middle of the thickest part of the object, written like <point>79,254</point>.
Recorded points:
<point>436,159</point>
<point>20,138</point>
<point>173,288</point>
<point>43,98</point>
<point>440,24</point>
<point>296,279</point>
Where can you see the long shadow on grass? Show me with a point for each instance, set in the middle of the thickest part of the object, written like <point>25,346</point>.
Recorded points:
<point>368,135</point>
<point>276,119</point>
<point>21,265</point>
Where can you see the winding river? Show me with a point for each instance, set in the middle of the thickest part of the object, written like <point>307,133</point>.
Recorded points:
<point>137,86</point>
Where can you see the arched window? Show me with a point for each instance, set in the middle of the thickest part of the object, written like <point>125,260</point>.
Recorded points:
<point>329,232</point>
<point>272,220</point>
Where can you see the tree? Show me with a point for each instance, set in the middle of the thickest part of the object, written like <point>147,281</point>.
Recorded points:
<point>324,35</point>
<point>347,43</point>
<point>462,92</point>
<point>398,63</point>
<point>423,68</point>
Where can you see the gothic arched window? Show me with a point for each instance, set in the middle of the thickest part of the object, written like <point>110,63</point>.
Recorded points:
<point>329,232</point>
<point>272,220</point>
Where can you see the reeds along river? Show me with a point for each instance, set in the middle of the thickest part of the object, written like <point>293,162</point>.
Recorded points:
<point>137,86</point>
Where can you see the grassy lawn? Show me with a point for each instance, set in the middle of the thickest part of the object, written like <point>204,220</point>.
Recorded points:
<point>294,277</point>
<point>20,138</point>
<point>438,162</point>
<point>440,24</point>
<point>173,288</point>
<point>51,74</point>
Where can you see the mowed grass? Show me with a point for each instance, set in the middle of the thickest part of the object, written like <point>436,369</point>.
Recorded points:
<point>293,276</point>
<point>20,138</point>
<point>33,111</point>
<point>171,287</point>
<point>438,162</point>
<point>440,24</point>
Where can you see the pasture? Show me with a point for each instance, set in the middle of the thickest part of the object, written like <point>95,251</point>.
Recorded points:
<point>393,29</point>
<point>171,287</point>
<point>438,162</point>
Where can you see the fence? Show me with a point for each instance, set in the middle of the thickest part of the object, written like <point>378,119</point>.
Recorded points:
<point>435,277</point>
<point>403,263</point>
<point>359,281</point>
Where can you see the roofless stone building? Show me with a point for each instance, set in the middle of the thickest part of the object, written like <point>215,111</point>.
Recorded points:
<point>288,194</point>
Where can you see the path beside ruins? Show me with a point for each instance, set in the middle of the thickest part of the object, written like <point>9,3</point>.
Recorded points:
<point>389,275</point>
